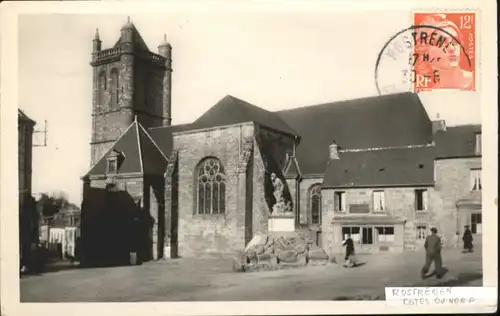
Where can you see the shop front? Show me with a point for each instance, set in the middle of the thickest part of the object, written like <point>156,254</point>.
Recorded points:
<point>371,234</point>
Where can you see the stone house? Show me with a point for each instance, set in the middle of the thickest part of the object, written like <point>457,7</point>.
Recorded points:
<point>376,168</point>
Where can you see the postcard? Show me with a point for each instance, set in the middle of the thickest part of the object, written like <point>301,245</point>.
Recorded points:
<point>215,157</point>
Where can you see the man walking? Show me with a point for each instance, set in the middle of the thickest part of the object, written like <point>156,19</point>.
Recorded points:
<point>433,254</point>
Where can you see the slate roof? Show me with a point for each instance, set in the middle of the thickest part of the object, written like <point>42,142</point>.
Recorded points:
<point>141,153</point>
<point>381,121</point>
<point>390,167</point>
<point>231,110</point>
<point>457,141</point>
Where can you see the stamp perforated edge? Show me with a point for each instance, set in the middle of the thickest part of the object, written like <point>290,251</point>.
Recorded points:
<point>478,31</point>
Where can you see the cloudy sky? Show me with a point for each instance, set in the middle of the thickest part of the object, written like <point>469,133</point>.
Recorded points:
<point>275,60</point>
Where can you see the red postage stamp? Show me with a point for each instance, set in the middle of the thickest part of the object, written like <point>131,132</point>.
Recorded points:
<point>444,54</point>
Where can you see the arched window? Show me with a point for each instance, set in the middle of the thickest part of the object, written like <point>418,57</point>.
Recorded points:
<point>101,89</point>
<point>211,183</point>
<point>114,88</point>
<point>315,204</point>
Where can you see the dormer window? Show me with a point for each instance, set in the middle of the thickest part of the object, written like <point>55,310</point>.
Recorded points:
<point>113,161</point>
<point>478,144</point>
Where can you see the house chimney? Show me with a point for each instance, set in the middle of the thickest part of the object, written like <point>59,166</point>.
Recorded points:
<point>438,125</point>
<point>334,151</point>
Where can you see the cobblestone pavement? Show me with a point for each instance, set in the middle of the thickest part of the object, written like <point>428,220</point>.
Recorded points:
<point>213,279</point>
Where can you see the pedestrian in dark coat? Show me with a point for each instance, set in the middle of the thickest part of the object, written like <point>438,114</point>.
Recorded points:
<point>433,254</point>
<point>467,239</point>
<point>349,247</point>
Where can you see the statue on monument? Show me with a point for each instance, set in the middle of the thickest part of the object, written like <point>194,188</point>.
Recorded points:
<point>280,207</point>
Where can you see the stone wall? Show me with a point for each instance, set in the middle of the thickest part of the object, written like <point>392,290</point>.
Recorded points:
<point>313,232</point>
<point>109,120</point>
<point>292,187</point>
<point>304,208</point>
<point>200,234</point>
<point>154,190</point>
<point>452,184</point>
<point>261,209</point>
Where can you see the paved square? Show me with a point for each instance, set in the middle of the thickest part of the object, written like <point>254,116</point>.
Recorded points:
<point>213,279</point>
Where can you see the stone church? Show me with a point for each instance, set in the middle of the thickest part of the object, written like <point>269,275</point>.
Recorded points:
<point>376,168</point>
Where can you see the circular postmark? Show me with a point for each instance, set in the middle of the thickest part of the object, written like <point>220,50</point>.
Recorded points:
<point>422,58</point>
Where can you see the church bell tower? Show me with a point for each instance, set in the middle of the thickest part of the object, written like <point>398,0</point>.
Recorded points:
<point>128,80</point>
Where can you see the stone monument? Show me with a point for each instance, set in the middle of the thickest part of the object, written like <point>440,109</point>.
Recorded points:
<point>281,246</point>
<point>282,218</point>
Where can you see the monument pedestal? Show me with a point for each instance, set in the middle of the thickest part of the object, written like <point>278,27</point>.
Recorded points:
<point>281,224</point>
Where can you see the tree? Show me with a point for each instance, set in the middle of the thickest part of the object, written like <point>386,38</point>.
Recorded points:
<point>51,205</point>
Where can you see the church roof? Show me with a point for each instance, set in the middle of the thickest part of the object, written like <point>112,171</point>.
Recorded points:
<point>138,41</point>
<point>457,141</point>
<point>231,110</point>
<point>162,136</point>
<point>139,151</point>
<point>387,167</point>
<point>381,121</point>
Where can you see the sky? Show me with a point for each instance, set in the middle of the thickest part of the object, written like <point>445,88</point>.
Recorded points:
<point>276,60</point>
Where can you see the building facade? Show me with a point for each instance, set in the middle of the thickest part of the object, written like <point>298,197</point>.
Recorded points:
<point>376,168</point>
<point>28,216</point>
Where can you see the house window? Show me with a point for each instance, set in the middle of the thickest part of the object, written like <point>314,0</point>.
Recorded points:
<point>101,89</point>
<point>421,232</point>
<point>385,234</point>
<point>114,88</point>
<point>475,179</point>
<point>421,200</point>
<point>378,201</point>
<point>211,187</point>
<point>353,231</point>
<point>478,144</point>
<point>112,165</point>
<point>476,223</point>
<point>315,202</point>
<point>340,202</point>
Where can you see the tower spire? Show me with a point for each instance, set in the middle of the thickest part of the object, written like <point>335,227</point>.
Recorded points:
<point>96,41</point>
